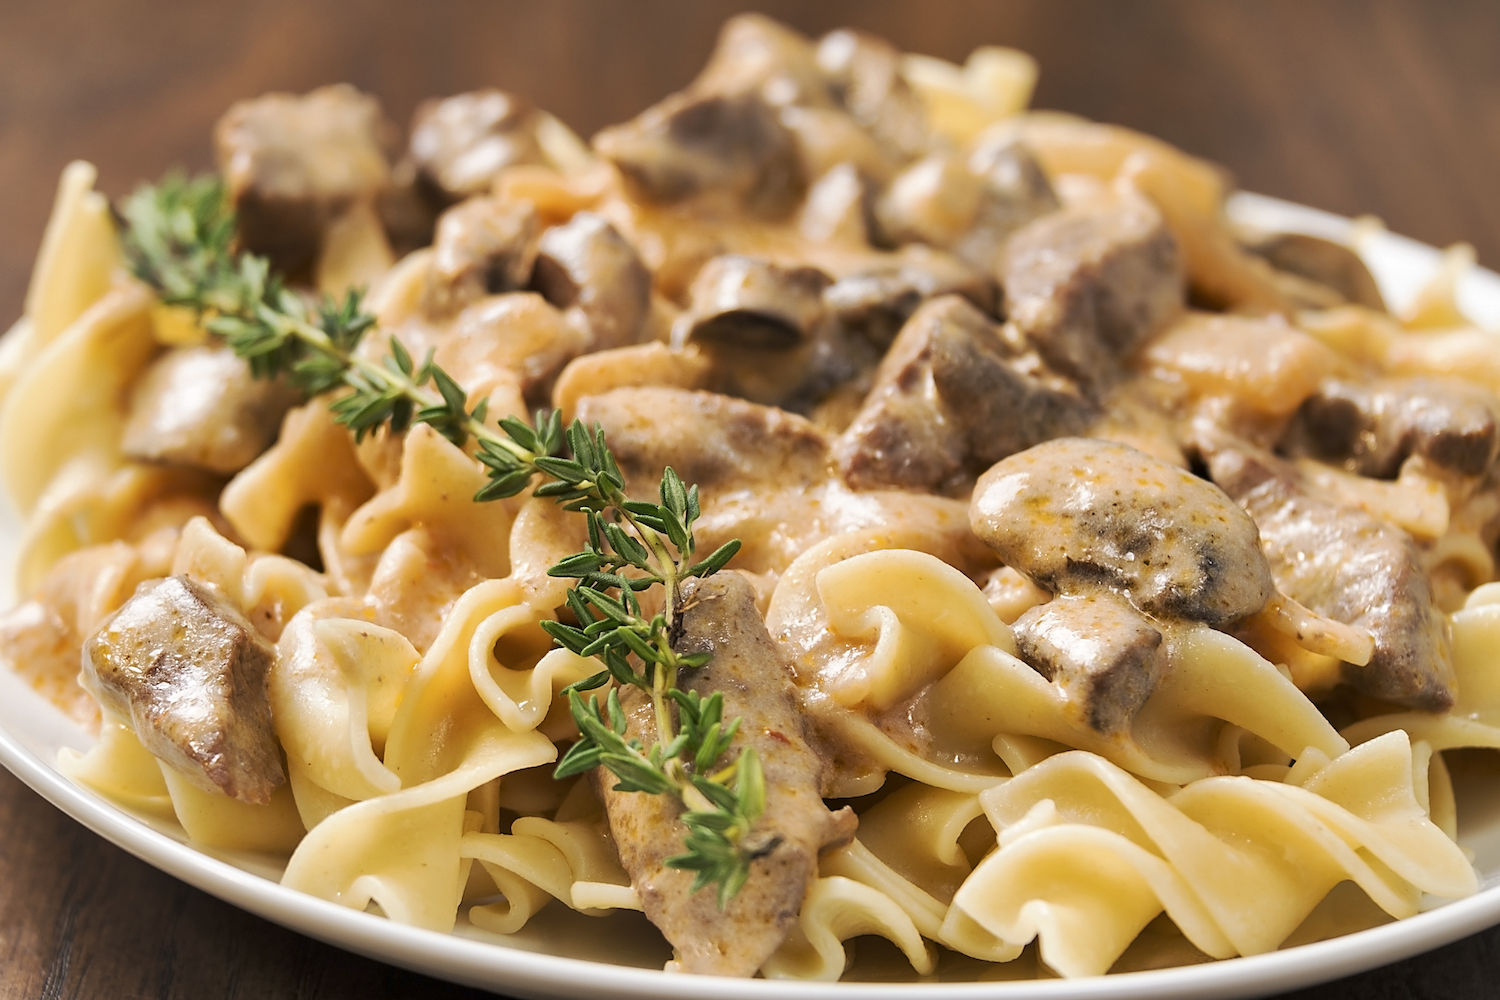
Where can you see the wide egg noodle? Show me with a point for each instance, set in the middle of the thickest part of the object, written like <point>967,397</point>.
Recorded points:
<point>573,861</point>
<point>60,422</point>
<point>74,267</point>
<point>1088,854</point>
<point>908,849</point>
<point>435,489</point>
<point>835,910</point>
<point>312,462</point>
<point>393,849</point>
<point>118,766</point>
<point>329,679</point>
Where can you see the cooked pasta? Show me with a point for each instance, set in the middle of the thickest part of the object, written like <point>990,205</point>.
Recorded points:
<point>1095,563</point>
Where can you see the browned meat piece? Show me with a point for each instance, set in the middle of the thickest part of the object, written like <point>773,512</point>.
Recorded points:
<point>1087,284</point>
<point>877,303</point>
<point>1330,264</point>
<point>755,53</point>
<point>1371,428</point>
<point>971,205</point>
<point>719,617</point>
<point>951,398</point>
<point>691,144</point>
<point>715,441</point>
<point>461,143</point>
<point>293,164</point>
<point>1342,563</point>
<point>200,406</point>
<point>1078,516</point>
<point>483,247</point>
<point>865,74</point>
<point>1101,651</point>
<point>189,672</point>
<point>750,302</point>
<point>586,264</point>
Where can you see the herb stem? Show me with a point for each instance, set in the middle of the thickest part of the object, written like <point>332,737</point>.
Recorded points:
<point>180,239</point>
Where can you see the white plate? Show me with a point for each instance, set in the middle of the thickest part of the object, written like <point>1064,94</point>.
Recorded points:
<point>559,954</point>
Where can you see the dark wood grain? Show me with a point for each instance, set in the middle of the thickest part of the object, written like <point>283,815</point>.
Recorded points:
<point>1389,107</point>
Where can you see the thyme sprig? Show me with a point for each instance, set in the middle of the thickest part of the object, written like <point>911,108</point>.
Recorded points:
<point>180,239</point>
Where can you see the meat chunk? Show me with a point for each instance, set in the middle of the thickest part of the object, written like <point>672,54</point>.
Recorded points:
<point>483,247</point>
<point>588,266</point>
<point>1089,283</point>
<point>877,303</point>
<point>1345,564</point>
<point>969,205</point>
<point>189,672</point>
<point>751,302</point>
<point>1329,264</point>
<point>716,441</point>
<point>200,406</point>
<point>719,617</point>
<point>294,164</point>
<point>1101,651</point>
<point>865,74</point>
<point>1371,428</point>
<point>460,144</point>
<point>1077,516</point>
<point>951,398</point>
<point>691,144</point>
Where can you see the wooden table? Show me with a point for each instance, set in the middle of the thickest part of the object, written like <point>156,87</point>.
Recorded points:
<point>1391,108</point>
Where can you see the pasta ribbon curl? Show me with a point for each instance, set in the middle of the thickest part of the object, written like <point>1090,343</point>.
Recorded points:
<point>1088,854</point>
<point>444,743</point>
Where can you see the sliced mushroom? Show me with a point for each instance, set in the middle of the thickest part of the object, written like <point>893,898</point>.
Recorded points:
<point>201,406</point>
<point>1345,564</point>
<point>189,672</point>
<point>483,247</point>
<point>460,144</point>
<point>1371,428</point>
<point>1078,516</point>
<point>752,302</point>
<point>952,397</point>
<point>587,265</point>
<point>1102,652</point>
<point>719,616</point>
<point>1332,265</point>
<point>691,144</point>
<point>294,164</point>
<point>1087,284</point>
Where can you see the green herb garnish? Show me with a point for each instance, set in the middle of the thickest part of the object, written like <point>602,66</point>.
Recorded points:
<point>179,239</point>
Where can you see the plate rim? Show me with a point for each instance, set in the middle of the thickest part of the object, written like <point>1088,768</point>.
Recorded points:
<point>494,966</point>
